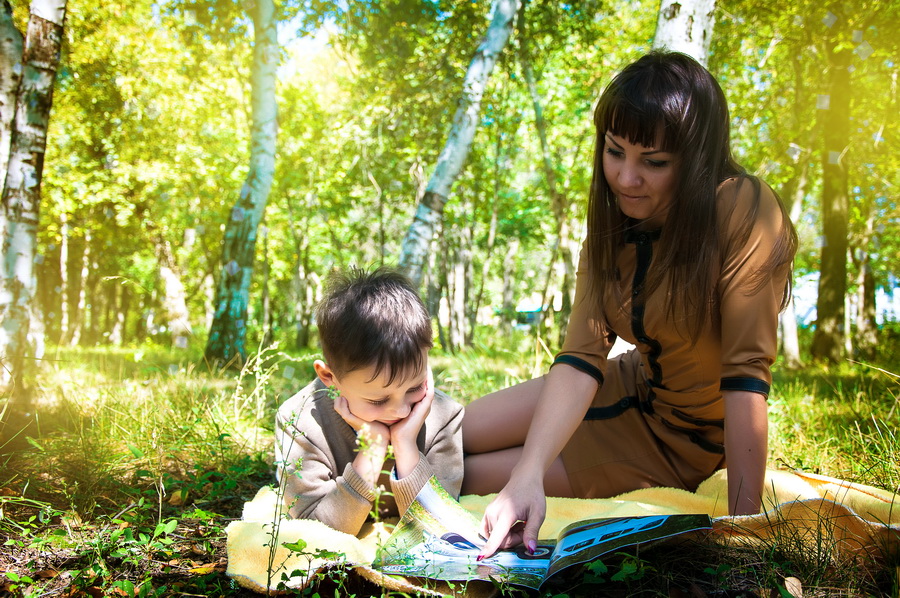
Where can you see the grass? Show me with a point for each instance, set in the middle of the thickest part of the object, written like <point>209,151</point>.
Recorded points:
<point>128,465</point>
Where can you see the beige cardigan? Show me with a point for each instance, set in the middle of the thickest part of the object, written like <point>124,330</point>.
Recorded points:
<point>315,448</point>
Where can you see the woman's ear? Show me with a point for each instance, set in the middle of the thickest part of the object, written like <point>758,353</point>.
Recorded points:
<point>323,372</point>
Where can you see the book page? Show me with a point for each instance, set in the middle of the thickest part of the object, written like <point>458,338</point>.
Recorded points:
<point>438,539</point>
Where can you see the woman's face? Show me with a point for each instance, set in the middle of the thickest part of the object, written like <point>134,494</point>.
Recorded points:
<point>642,178</point>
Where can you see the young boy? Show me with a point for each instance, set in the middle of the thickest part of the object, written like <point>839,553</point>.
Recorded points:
<point>373,390</point>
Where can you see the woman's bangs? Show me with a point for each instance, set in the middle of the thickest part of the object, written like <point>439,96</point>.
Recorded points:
<point>640,124</point>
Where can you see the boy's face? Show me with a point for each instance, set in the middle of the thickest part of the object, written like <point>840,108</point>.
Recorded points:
<point>373,399</point>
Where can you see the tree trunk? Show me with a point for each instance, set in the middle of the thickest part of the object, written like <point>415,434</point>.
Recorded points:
<point>509,270</point>
<point>11,49</point>
<point>429,213</point>
<point>828,340</point>
<point>466,313</point>
<point>228,333</point>
<point>304,293</point>
<point>686,26</point>
<point>80,315</point>
<point>559,203</point>
<point>485,265</point>
<point>64,305</point>
<point>456,297</point>
<point>174,305</point>
<point>265,300</point>
<point>787,319</point>
<point>118,331</point>
<point>22,189</point>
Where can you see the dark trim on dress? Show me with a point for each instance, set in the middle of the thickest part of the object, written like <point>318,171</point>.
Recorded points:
<point>746,384</point>
<point>580,364</point>
<point>706,445</point>
<point>643,241</point>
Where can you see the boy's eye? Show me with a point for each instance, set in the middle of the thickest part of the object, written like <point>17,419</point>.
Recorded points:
<point>418,388</point>
<point>378,402</point>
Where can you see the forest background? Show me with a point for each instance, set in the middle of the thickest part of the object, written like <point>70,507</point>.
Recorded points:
<point>208,162</point>
<point>149,175</point>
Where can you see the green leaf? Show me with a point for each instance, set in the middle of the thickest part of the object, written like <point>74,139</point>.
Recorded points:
<point>138,454</point>
<point>298,546</point>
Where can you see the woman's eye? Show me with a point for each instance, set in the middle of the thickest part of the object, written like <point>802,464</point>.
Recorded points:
<point>658,163</point>
<point>614,152</point>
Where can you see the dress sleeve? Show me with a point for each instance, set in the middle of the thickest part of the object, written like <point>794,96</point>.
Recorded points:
<point>442,455</point>
<point>313,488</point>
<point>748,303</point>
<point>588,339</point>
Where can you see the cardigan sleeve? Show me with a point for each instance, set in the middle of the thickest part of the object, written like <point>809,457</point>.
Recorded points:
<point>314,488</point>
<point>440,454</point>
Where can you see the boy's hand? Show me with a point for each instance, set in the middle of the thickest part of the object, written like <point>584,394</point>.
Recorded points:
<point>370,434</point>
<point>405,432</point>
<point>373,439</point>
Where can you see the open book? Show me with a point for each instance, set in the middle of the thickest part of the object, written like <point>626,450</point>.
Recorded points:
<point>438,539</point>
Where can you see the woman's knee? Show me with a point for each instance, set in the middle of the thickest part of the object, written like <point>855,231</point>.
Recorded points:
<point>501,419</point>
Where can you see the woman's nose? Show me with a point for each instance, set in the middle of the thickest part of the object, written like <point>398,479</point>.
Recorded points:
<point>629,176</point>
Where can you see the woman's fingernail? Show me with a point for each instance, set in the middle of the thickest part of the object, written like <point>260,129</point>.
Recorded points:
<point>479,557</point>
<point>532,546</point>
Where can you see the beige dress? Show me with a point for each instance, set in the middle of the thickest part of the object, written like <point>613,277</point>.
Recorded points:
<point>658,416</point>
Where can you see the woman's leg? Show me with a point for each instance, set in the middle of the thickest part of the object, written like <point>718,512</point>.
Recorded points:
<point>494,430</point>
<point>501,419</point>
<point>486,473</point>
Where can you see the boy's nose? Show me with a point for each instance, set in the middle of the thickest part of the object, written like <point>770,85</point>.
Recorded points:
<point>403,411</point>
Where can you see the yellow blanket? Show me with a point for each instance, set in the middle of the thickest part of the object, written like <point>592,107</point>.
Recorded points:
<point>798,508</point>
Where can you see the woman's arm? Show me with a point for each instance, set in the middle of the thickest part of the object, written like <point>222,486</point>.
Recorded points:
<point>566,395</point>
<point>746,449</point>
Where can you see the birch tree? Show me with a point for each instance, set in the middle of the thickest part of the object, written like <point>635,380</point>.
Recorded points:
<point>414,250</point>
<point>685,26</point>
<point>21,196</point>
<point>227,335</point>
<point>11,49</point>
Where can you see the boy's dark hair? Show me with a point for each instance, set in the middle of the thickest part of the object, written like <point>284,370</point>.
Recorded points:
<point>373,319</point>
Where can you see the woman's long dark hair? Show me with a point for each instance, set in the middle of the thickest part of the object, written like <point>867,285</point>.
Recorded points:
<point>668,101</point>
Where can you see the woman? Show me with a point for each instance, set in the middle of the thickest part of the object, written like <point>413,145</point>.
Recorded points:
<point>688,258</point>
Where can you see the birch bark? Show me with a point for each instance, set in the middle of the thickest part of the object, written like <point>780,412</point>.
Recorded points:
<point>686,26</point>
<point>429,212</point>
<point>228,333</point>
<point>22,186</point>
<point>11,48</point>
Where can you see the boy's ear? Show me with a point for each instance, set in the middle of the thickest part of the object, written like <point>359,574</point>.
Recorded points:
<point>323,372</point>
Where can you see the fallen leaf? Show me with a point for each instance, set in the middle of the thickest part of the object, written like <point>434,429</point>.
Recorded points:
<point>208,568</point>
<point>793,587</point>
<point>178,498</point>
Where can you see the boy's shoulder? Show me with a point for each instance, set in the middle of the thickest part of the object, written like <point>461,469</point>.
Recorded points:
<point>303,400</point>
<point>444,407</point>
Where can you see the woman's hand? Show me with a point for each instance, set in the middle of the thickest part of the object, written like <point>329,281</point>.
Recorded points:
<point>515,516</point>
